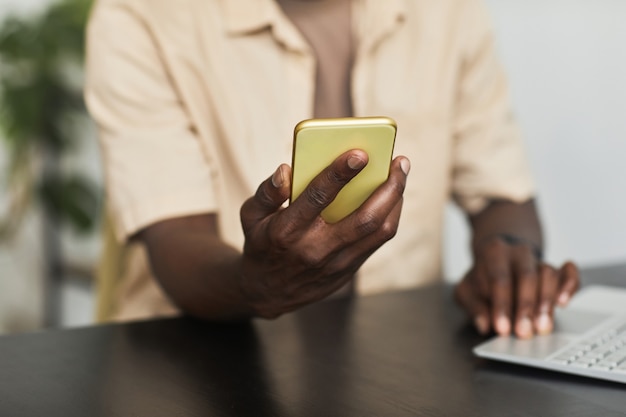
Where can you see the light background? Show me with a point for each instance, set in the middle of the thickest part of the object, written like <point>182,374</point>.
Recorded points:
<point>566,61</point>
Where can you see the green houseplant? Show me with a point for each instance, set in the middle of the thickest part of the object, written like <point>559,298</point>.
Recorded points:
<point>41,109</point>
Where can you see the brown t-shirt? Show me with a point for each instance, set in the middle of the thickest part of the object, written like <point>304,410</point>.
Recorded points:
<point>327,27</point>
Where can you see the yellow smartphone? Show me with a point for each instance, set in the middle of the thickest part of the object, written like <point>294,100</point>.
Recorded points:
<point>318,142</point>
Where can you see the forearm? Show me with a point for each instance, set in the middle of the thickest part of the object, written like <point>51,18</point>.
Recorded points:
<point>292,257</point>
<point>505,218</point>
<point>197,270</point>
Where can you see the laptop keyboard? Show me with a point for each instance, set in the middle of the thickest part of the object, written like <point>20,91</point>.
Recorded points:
<point>605,351</point>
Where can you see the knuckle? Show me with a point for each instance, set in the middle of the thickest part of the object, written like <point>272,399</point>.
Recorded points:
<point>317,197</point>
<point>526,274</point>
<point>548,273</point>
<point>368,222</point>
<point>398,188</point>
<point>500,279</point>
<point>528,251</point>
<point>262,197</point>
<point>312,259</point>
<point>280,236</point>
<point>388,230</point>
<point>342,265</point>
<point>336,177</point>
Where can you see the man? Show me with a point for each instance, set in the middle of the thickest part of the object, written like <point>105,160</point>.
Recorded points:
<point>196,101</point>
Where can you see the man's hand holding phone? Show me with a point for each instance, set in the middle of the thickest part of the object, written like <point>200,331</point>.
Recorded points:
<point>292,256</point>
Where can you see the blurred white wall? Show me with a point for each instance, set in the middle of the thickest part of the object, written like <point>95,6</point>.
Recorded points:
<point>567,65</point>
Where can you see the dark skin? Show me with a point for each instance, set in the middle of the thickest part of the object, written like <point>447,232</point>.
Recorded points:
<point>509,289</point>
<point>293,258</point>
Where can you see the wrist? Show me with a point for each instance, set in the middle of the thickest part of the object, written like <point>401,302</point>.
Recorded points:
<point>512,240</point>
<point>252,291</point>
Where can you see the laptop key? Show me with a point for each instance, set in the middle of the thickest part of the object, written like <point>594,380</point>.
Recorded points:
<point>615,358</point>
<point>601,366</point>
<point>580,364</point>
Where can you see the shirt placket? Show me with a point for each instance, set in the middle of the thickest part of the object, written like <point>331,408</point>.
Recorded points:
<point>372,22</point>
<point>301,85</point>
<point>300,74</point>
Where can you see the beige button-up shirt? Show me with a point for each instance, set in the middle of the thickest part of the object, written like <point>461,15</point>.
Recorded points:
<point>196,101</point>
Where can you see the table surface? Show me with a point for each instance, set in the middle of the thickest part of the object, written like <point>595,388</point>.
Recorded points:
<point>397,354</point>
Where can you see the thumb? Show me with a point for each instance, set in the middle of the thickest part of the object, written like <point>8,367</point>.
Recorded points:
<point>268,199</point>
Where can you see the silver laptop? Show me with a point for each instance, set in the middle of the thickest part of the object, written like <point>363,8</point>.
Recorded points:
<point>589,338</point>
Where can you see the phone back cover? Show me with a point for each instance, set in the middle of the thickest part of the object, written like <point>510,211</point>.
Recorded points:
<point>318,143</point>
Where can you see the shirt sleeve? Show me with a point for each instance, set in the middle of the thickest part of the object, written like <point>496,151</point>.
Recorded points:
<point>489,157</point>
<point>153,161</point>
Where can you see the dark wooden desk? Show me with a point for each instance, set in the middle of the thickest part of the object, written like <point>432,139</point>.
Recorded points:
<point>400,354</point>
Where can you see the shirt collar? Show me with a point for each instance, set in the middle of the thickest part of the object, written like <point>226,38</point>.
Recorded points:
<point>376,19</point>
<point>245,17</point>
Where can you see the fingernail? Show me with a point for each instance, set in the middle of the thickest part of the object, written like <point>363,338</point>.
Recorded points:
<point>564,299</point>
<point>544,324</point>
<point>354,162</point>
<point>405,166</point>
<point>524,328</point>
<point>277,178</point>
<point>482,324</point>
<point>503,326</point>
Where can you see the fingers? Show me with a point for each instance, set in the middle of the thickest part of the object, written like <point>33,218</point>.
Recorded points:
<point>376,221</point>
<point>537,290</point>
<point>315,257</point>
<point>517,281</point>
<point>527,282</point>
<point>556,288</point>
<point>349,252</point>
<point>362,248</point>
<point>548,287</point>
<point>498,270</point>
<point>373,217</point>
<point>511,275</point>
<point>371,225</point>
<point>325,186</point>
<point>385,198</point>
<point>274,191</point>
<point>475,305</point>
<point>569,283</point>
<point>269,197</point>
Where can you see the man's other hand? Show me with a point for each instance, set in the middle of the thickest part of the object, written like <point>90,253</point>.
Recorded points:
<point>509,290</point>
